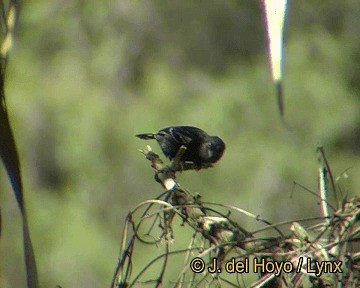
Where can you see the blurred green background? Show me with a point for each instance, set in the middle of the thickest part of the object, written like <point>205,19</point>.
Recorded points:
<point>86,76</point>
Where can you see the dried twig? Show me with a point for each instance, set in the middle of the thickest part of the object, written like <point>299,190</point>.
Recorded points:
<point>216,235</point>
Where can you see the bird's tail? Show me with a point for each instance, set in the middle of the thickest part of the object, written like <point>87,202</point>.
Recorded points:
<point>146,136</point>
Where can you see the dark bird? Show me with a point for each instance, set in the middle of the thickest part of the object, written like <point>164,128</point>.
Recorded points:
<point>201,148</point>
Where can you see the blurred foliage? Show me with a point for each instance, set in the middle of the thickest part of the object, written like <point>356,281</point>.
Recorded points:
<point>86,76</point>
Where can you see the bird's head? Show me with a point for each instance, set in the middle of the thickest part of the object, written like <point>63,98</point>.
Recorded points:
<point>212,150</point>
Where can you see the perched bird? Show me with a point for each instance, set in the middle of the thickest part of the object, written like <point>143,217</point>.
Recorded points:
<point>201,148</point>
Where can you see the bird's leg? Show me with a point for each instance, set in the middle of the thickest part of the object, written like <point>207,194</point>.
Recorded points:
<point>176,164</point>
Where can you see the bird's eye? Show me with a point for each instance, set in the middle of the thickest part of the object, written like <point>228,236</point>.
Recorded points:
<point>208,145</point>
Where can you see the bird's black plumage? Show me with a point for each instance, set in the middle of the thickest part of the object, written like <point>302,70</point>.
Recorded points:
<point>201,148</point>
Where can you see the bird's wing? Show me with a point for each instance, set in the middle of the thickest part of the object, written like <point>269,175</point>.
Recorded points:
<point>180,137</point>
